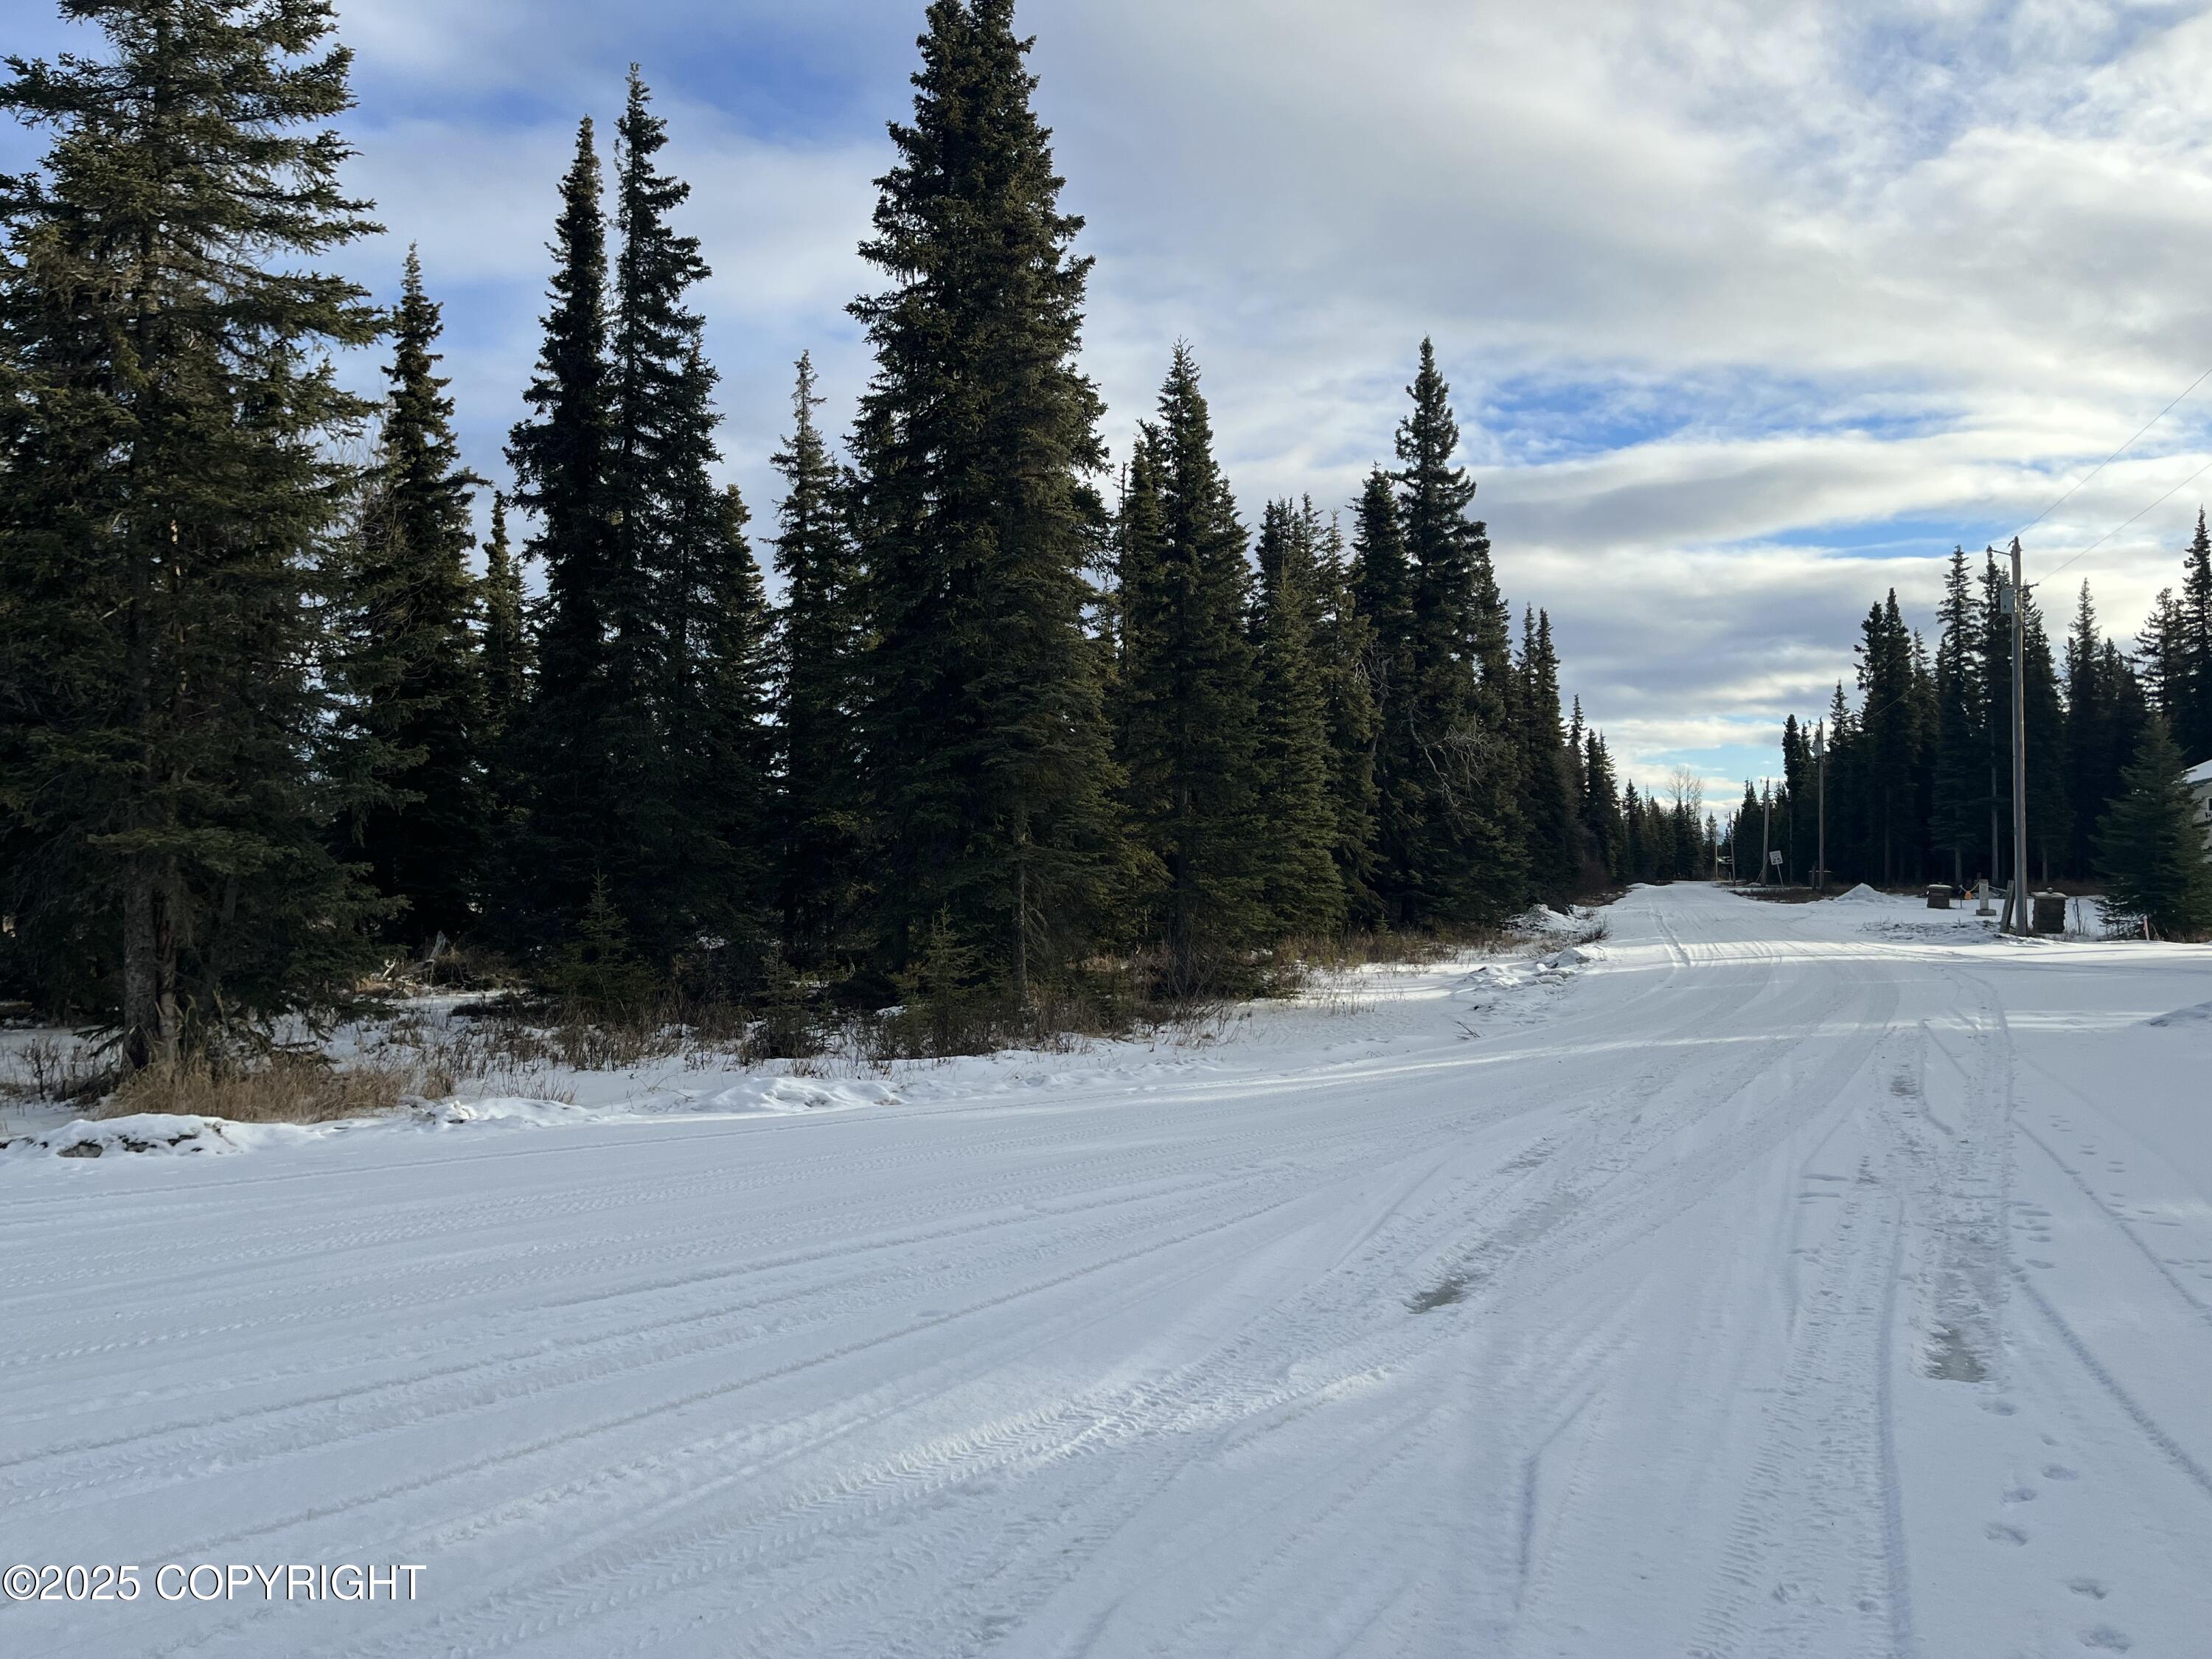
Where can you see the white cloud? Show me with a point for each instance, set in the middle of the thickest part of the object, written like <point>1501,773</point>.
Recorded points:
<point>1718,284</point>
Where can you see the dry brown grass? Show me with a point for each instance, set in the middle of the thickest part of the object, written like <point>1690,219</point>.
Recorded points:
<point>281,1089</point>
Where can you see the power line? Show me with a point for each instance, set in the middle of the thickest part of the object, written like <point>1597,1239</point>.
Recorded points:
<point>2115,456</point>
<point>2124,523</point>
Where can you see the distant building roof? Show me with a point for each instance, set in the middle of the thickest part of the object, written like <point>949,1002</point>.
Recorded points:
<point>2199,774</point>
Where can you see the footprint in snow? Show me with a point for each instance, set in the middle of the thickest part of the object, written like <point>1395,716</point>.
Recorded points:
<point>2060,1472</point>
<point>2092,1588</point>
<point>1997,1533</point>
<point>2106,1639</point>
<point>2021,1495</point>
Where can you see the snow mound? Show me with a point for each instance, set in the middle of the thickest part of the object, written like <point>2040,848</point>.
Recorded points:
<point>498,1108</point>
<point>1572,957</point>
<point>2198,1014</point>
<point>1542,919</point>
<point>143,1132</point>
<point>798,1094</point>
<point>1862,894</point>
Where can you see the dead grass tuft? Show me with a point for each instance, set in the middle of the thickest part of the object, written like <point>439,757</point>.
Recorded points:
<point>283,1088</point>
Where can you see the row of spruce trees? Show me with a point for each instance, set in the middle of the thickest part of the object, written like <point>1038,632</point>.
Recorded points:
<point>263,718</point>
<point>1919,783</point>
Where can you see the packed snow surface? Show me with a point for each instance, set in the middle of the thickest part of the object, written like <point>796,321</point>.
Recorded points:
<point>1748,1283</point>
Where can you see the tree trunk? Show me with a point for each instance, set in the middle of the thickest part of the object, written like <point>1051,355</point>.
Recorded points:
<point>149,969</point>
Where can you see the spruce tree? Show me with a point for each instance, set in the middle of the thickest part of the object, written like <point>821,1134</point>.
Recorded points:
<point>1888,727</point>
<point>1958,809</point>
<point>1190,731</point>
<point>1548,805</point>
<point>1470,860</point>
<point>2162,653</point>
<point>705,866</point>
<point>562,456</point>
<point>2151,848</point>
<point>415,676</point>
<point>991,776</point>
<point>169,502</point>
<point>1383,593</point>
<point>1345,651</point>
<point>2049,818</point>
<point>2192,687</point>
<point>818,649</point>
<point>1602,816</point>
<point>1296,814</point>
<point>506,643</point>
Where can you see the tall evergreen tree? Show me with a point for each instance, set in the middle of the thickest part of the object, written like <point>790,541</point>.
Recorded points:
<point>1471,862</point>
<point>2160,654</point>
<point>2151,848</point>
<point>506,641</point>
<point>2050,819</point>
<point>1547,807</point>
<point>1298,821</point>
<point>169,492</point>
<point>1382,595</point>
<point>708,865</point>
<point>2192,676</point>
<point>1958,809</point>
<point>992,779</point>
<point>1345,652</point>
<point>1602,816</point>
<point>562,455</point>
<point>817,708</point>
<point>416,678</point>
<point>1191,731</point>
<point>1888,726</point>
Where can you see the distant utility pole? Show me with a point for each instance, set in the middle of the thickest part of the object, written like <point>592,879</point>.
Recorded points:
<point>2013,598</point>
<point>1765,824</point>
<point>1820,759</point>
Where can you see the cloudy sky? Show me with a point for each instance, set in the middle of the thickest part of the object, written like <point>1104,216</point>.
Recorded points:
<point>1751,310</point>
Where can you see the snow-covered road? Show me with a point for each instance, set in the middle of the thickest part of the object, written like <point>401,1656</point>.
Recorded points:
<point>1772,1286</point>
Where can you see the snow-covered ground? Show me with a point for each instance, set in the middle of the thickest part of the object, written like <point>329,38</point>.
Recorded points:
<point>1777,1280</point>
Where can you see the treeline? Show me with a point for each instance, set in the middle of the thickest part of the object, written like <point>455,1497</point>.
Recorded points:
<point>1919,772</point>
<point>262,717</point>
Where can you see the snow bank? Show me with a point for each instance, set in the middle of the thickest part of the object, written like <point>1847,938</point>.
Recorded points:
<point>145,1131</point>
<point>1862,894</point>
<point>798,1094</point>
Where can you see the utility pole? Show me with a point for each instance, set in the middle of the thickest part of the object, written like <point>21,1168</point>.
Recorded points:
<point>1765,824</point>
<point>2018,916</point>
<point>1820,758</point>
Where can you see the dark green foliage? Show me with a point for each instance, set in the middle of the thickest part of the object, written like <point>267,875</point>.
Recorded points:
<point>1382,595</point>
<point>2151,848</point>
<point>2050,820</point>
<point>2191,691</point>
<point>991,780</point>
<point>412,670</point>
<point>1547,799</point>
<point>598,967</point>
<point>1960,808</point>
<point>1889,740</point>
<point>507,648</point>
<point>1189,695</point>
<point>170,501</point>
<point>818,655</point>
<point>1345,648</point>
<point>562,456</point>
<point>1467,839</point>
<point>1298,819</point>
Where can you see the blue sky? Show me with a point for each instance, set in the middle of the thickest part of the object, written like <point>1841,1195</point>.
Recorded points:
<point>1752,307</point>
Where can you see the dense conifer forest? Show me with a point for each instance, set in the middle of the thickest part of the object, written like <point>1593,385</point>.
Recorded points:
<point>1028,725</point>
<point>1919,769</point>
